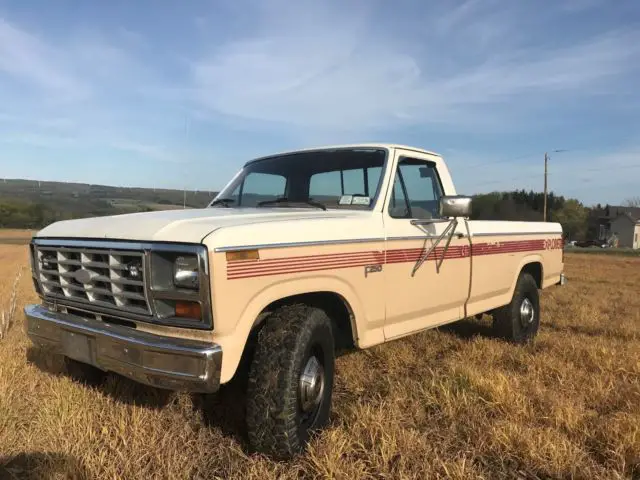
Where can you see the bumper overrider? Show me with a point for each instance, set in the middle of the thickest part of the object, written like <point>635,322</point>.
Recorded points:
<point>159,361</point>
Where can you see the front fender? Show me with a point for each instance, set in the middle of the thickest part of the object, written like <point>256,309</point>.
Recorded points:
<point>234,341</point>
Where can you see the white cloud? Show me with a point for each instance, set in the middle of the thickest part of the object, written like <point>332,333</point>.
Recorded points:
<point>307,64</point>
<point>40,140</point>
<point>154,152</point>
<point>26,58</point>
<point>60,92</point>
<point>311,72</point>
<point>85,66</point>
<point>35,122</point>
<point>326,70</point>
<point>577,6</point>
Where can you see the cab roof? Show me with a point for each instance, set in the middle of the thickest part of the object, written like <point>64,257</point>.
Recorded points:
<point>347,146</point>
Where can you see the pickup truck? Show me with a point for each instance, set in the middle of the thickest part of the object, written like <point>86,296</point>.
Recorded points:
<point>302,255</point>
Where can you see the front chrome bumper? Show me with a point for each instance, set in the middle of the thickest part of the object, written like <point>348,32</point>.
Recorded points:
<point>159,361</point>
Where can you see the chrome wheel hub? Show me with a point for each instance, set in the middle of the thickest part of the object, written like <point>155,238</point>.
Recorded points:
<point>311,384</point>
<point>527,312</point>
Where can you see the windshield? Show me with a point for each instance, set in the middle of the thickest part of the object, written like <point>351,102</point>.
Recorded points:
<point>341,178</point>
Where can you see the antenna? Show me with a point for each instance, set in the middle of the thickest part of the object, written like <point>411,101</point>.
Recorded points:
<point>186,127</point>
<point>546,161</point>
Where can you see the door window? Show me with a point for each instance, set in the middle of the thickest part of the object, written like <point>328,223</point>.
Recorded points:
<point>416,190</point>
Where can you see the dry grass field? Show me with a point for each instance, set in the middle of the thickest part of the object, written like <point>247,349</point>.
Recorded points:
<point>16,233</point>
<point>447,403</point>
<point>15,236</point>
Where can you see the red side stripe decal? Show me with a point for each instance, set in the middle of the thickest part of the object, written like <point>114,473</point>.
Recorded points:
<point>310,263</point>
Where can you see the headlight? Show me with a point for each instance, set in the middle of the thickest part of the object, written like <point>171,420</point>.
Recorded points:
<point>33,263</point>
<point>179,285</point>
<point>32,258</point>
<point>185,272</point>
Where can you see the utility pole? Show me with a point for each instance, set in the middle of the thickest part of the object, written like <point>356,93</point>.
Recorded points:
<point>546,161</point>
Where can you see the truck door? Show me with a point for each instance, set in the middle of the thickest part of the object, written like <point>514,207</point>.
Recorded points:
<point>421,293</point>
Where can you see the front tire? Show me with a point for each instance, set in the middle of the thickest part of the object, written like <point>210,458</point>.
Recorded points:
<point>519,321</point>
<point>290,380</point>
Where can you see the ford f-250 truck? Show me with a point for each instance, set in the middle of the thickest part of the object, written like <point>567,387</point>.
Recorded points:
<point>300,255</point>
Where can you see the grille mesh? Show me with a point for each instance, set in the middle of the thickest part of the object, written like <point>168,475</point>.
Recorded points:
<point>101,277</point>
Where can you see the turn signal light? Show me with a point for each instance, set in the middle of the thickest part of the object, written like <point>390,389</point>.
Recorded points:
<point>243,255</point>
<point>188,310</point>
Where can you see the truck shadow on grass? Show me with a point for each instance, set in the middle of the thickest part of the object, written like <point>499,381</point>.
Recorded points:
<point>223,410</point>
<point>116,386</point>
<point>39,465</point>
<point>468,328</point>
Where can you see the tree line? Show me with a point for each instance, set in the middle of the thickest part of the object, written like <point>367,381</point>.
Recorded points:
<point>518,205</point>
<point>34,214</point>
<point>528,206</point>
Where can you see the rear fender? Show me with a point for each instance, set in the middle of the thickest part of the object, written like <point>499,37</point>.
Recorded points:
<point>529,259</point>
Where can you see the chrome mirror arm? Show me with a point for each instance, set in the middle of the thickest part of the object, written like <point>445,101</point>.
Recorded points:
<point>429,221</point>
<point>449,230</point>
<point>452,226</point>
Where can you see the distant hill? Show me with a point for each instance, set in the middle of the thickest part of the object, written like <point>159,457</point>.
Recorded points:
<point>28,204</point>
<point>33,204</point>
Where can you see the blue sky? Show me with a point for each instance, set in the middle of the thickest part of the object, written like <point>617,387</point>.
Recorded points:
<point>180,94</point>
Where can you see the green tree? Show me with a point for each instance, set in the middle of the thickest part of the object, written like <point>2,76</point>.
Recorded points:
<point>573,217</point>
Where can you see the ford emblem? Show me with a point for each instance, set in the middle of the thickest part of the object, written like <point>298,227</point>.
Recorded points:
<point>83,276</point>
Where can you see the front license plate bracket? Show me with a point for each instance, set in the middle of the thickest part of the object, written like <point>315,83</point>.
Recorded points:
<point>77,346</point>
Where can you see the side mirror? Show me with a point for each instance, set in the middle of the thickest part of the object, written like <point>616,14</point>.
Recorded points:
<point>455,206</point>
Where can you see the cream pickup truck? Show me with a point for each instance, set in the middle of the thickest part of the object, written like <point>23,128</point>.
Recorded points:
<point>301,255</point>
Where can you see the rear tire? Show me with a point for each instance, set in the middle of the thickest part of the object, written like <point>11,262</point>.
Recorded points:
<point>290,380</point>
<point>84,373</point>
<point>519,321</point>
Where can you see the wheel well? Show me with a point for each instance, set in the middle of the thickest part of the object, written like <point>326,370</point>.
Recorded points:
<point>535,270</point>
<point>336,308</point>
<point>334,305</point>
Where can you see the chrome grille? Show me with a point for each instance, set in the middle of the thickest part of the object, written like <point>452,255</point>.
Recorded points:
<point>101,277</point>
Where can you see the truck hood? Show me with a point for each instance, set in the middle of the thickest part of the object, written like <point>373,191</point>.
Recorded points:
<point>189,225</point>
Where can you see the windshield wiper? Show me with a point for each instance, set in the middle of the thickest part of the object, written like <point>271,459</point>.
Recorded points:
<point>222,201</point>
<point>286,200</point>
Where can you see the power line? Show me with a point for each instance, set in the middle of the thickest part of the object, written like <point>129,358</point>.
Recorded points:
<point>602,149</point>
<point>609,168</point>
<point>529,177</point>
<point>515,179</point>
<point>588,185</point>
<point>493,182</point>
<point>504,160</point>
